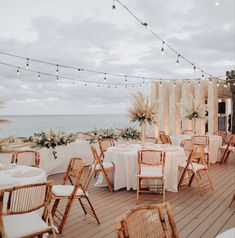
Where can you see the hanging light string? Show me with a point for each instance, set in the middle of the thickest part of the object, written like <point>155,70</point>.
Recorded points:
<point>57,65</point>
<point>69,78</point>
<point>146,25</point>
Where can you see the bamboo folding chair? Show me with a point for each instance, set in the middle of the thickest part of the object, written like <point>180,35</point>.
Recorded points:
<point>104,145</point>
<point>187,132</point>
<point>152,220</point>
<point>233,199</point>
<point>192,169</point>
<point>151,166</point>
<point>97,167</point>
<point>188,146</point>
<point>71,192</point>
<point>24,204</point>
<point>26,157</point>
<point>203,141</point>
<point>227,149</point>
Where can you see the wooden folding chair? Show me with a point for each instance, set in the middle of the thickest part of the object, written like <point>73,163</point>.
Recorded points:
<point>28,211</point>
<point>151,166</point>
<point>97,167</point>
<point>71,192</point>
<point>188,146</point>
<point>165,139</point>
<point>203,141</point>
<point>187,132</point>
<point>104,145</point>
<point>227,149</point>
<point>152,220</point>
<point>26,157</point>
<point>192,169</point>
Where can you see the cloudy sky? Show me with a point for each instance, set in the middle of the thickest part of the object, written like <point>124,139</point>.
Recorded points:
<point>87,34</point>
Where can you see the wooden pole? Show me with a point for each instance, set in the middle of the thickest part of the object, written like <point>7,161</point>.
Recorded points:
<point>231,79</point>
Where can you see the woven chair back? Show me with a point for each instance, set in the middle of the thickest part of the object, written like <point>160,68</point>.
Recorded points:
<point>105,144</point>
<point>26,198</point>
<point>187,145</point>
<point>26,157</point>
<point>200,140</point>
<point>187,132</point>
<point>153,220</point>
<point>151,157</point>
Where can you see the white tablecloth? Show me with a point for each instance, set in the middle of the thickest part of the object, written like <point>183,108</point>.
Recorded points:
<point>227,234</point>
<point>79,148</point>
<point>125,161</point>
<point>21,175</point>
<point>215,142</point>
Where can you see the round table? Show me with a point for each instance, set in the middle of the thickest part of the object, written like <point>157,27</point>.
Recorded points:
<point>227,234</point>
<point>215,142</point>
<point>124,158</point>
<point>17,175</point>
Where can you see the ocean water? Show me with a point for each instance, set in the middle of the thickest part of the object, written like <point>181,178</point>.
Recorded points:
<point>29,124</point>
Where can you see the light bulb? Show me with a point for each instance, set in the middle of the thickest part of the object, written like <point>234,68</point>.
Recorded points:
<point>125,78</point>
<point>177,61</point>
<point>188,82</point>
<point>57,69</point>
<point>162,49</point>
<point>217,3</point>
<point>39,76</point>
<point>160,83</point>
<point>18,71</point>
<point>217,83</point>
<point>27,65</point>
<point>105,77</point>
<point>114,7</point>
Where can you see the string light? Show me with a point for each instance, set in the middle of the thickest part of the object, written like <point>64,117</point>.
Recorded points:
<point>199,82</point>
<point>155,34</point>
<point>18,71</point>
<point>73,83</point>
<point>174,83</point>
<point>202,74</point>
<point>57,77</point>
<point>162,49</point>
<point>210,81</point>
<point>57,69</point>
<point>143,80</point>
<point>160,83</point>
<point>85,84</point>
<point>27,65</point>
<point>194,67</point>
<point>114,7</point>
<point>125,78</point>
<point>177,61</point>
<point>105,77</point>
<point>39,76</point>
<point>188,82</point>
<point>217,83</point>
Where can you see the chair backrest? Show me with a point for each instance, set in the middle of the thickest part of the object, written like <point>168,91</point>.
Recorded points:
<point>152,220</point>
<point>26,157</point>
<point>197,155</point>
<point>151,158</point>
<point>187,132</point>
<point>162,133</point>
<point>104,145</point>
<point>232,140</point>
<point>200,140</point>
<point>165,139</point>
<point>187,144</point>
<point>25,198</point>
<point>75,170</point>
<point>96,157</point>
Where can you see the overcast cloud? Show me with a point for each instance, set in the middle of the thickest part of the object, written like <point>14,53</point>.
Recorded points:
<point>87,34</point>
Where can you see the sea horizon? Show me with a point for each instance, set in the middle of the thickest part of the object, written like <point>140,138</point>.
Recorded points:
<point>27,125</point>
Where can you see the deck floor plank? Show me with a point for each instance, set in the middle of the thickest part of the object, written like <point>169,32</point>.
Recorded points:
<point>195,216</point>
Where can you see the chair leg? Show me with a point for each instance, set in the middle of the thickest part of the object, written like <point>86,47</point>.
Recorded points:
<point>227,155</point>
<point>198,183</point>
<point>138,190</point>
<point>181,179</point>
<point>191,179</point>
<point>83,208</point>
<point>66,213</point>
<point>208,176</point>
<point>56,203</point>
<point>233,199</point>
<point>164,191</point>
<point>92,209</point>
<point>107,180</point>
<point>88,180</point>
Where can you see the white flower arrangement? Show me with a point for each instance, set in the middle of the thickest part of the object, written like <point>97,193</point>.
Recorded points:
<point>101,134</point>
<point>130,133</point>
<point>52,139</point>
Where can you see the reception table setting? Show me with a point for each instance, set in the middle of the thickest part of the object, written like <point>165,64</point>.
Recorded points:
<point>124,158</point>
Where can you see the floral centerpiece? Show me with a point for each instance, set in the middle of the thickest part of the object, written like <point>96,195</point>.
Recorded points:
<point>101,134</point>
<point>194,111</point>
<point>130,133</point>
<point>143,111</point>
<point>51,140</point>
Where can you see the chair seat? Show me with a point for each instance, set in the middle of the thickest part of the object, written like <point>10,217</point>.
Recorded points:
<point>17,226</point>
<point>66,190</point>
<point>151,171</point>
<point>106,165</point>
<point>193,166</point>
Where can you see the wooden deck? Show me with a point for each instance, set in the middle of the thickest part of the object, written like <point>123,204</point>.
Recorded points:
<point>195,216</point>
